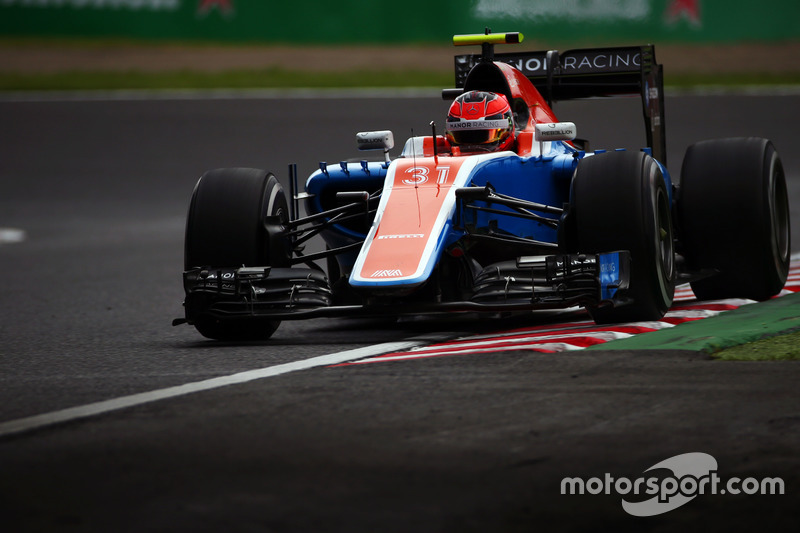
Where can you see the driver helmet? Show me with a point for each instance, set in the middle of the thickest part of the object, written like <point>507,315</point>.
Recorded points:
<point>480,121</point>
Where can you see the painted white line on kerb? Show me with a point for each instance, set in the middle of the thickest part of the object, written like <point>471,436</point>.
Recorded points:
<point>22,425</point>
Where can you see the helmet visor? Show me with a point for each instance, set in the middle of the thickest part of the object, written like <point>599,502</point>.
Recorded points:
<point>476,132</point>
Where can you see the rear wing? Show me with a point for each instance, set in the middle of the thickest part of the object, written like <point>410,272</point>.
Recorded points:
<point>587,73</point>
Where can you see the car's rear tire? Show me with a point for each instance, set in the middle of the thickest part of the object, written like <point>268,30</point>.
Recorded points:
<point>619,201</point>
<point>733,215</point>
<point>235,217</point>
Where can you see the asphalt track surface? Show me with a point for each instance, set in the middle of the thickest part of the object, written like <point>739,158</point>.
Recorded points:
<point>475,442</point>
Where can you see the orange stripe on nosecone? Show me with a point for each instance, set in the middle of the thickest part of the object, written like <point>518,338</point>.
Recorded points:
<point>418,194</point>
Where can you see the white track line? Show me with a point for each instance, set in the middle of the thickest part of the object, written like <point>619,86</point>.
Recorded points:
<point>11,235</point>
<point>31,423</point>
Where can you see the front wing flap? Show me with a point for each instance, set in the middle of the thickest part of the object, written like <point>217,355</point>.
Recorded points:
<point>557,280</point>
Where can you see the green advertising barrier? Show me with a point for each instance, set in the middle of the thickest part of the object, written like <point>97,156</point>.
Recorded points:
<point>410,21</point>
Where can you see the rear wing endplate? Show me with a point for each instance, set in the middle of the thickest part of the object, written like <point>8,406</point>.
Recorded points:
<point>591,72</point>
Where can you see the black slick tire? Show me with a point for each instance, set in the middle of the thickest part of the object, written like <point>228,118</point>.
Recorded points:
<point>619,201</point>
<point>733,215</point>
<point>235,217</point>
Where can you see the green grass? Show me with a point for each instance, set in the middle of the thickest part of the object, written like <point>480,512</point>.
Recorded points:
<point>780,348</point>
<point>279,78</point>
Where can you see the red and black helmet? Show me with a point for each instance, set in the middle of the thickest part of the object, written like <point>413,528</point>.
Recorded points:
<point>480,121</point>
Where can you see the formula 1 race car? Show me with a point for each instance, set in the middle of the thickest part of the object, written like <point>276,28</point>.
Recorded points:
<point>506,212</point>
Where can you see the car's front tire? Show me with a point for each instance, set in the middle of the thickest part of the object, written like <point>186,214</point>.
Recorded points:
<point>619,201</point>
<point>235,217</point>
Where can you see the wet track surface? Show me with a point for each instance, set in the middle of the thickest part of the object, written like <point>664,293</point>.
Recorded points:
<point>467,443</point>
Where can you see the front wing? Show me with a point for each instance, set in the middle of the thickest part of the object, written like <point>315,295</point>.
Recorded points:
<point>529,283</point>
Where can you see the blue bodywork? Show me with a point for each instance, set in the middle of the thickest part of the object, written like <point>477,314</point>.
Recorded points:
<point>541,179</point>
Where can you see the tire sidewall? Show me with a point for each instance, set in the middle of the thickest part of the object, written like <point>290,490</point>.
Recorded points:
<point>778,246</point>
<point>659,249</point>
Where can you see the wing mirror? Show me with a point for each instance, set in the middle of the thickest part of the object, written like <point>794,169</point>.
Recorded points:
<point>554,131</point>
<point>376,140</point>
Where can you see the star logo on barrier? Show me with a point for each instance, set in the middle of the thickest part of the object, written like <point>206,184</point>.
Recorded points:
<point>688,9</point>
<point>223,6</point>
